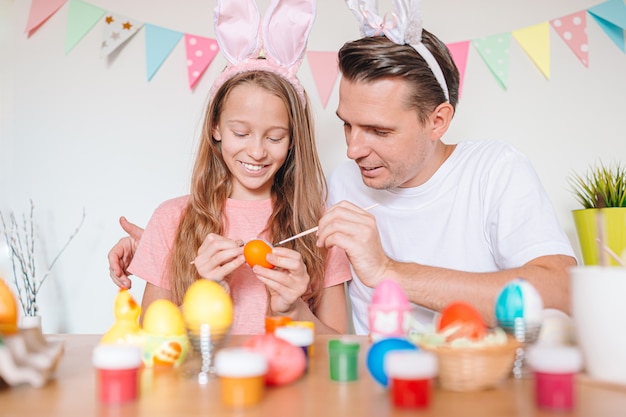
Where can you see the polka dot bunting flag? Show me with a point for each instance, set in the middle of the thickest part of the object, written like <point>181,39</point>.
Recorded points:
<point>200,54</point>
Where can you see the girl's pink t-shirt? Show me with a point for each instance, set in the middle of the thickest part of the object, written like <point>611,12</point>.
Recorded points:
<point>246,220</point>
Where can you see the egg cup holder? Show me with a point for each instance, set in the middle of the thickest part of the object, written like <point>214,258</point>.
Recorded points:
<point>526,334</point>
<point>205,341</point>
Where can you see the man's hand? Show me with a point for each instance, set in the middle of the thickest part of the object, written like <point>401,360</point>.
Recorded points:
<point>122,254</point>
<point>355,231</point>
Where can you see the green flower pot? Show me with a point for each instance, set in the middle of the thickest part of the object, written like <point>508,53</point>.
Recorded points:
<point>613,220</point>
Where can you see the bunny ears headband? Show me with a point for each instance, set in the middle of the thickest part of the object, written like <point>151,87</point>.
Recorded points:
<point>282,37</point>
<point>403,27</point>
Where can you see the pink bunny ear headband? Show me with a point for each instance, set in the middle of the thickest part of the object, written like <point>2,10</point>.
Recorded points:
<point>282,38</point>
<point>403,27</point>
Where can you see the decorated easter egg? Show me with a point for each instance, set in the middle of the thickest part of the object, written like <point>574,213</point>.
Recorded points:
<point>206,302</point>
<point>519,299</point>
<point>376,356</point>
<point>166,342</point>
<point>461,320</point>
<point>389,311</point>
<point>286,362</point>
<point>256,251</point>
<point>169,353</point>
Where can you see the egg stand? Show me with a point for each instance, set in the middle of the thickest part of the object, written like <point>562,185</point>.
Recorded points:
<point>205,342</point>
<point>526,334</point>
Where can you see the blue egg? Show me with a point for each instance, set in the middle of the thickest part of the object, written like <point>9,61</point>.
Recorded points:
<point>377,352</point>
<point>519,299</point>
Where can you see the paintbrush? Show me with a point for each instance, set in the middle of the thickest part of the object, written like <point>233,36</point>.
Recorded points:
<point>314,229</point>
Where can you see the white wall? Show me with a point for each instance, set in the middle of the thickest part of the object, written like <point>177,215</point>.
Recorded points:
<point>77,131</point>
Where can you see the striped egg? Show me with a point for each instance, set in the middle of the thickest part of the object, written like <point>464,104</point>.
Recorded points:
<point>519,299</point>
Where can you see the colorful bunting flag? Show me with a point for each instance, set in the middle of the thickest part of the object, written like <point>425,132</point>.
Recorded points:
<point>535,41</point>
<point>572,28</point>
<point>200,51</point>
<point>40,11</point>
<point>611,16</point>
<point>117,30</point>
<point>325,69</point>
<point>200,54</point>
<point>494,50</point>
<point>459,52</point>
<point>81,18</point>
<point>160,43</point>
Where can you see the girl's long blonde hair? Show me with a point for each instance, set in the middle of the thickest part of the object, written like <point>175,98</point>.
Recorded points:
<point>298,193</point>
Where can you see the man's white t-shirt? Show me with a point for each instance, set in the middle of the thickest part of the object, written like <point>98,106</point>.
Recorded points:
<point>484,210</point>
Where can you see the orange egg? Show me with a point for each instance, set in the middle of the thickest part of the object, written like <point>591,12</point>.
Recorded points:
<point>255,252</point>
<point>8,310</point>
<point>465,318</point>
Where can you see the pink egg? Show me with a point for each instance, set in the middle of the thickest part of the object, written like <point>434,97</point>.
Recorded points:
<point>286,362</point>
<point>390,311</point>
<point>389,293</point>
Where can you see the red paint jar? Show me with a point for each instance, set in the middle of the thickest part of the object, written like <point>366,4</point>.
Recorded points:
<point>410,374</point>
<point>117,372</point>
<point>554,370</point>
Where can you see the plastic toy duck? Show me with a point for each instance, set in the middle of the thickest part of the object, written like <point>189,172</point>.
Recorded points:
<point>126,328</point>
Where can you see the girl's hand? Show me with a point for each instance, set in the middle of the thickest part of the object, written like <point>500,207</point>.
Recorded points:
<point>286,282</point>
<point>218,256</point>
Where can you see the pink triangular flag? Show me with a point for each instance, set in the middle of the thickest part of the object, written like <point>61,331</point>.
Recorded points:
<point>200,54</point>
<point>459,51</point>
<point>325,71</point>
<point>40,11</point>
<point>573,30</point>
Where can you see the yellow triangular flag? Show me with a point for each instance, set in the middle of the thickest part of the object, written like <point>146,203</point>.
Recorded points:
<point>535,40</point>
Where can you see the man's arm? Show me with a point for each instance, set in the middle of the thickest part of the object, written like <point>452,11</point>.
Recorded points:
<point>355,231</point>
<point>121,254</point>
<point>434,288</point>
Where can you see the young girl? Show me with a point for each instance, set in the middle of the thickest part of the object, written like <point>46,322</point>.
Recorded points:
<point>257,174</point>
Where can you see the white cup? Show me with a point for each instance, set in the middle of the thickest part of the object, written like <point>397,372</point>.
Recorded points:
<point>598,311</point>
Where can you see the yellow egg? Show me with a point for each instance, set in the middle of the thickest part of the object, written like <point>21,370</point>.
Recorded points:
<point>207,302</point>
<point>163,318</point>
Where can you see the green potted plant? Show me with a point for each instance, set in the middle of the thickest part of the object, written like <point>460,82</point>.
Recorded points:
<point>601,223</point>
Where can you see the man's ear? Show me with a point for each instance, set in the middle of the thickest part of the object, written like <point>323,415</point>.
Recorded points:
<point>440,119</point>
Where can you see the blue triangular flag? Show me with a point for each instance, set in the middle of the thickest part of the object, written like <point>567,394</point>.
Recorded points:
<point>611,17</point>
<point>159,45</point>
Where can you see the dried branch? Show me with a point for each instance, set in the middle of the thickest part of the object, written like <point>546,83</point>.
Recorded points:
<point>21,244</point>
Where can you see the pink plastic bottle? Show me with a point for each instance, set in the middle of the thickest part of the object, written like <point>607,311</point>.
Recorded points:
<point>554,369</point>
<point>117,372</point>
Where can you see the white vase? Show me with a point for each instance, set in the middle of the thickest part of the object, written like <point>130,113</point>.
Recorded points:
<point>598,308</point>
<point>30,322</point>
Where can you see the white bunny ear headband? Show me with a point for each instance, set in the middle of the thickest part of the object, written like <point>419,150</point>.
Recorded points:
<point>282,37</point>
<point>403,27</point>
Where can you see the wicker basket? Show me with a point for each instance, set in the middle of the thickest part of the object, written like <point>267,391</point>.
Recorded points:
<point>474,368</point>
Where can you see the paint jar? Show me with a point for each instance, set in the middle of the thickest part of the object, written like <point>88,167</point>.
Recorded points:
<point>117,372</point>
<point>554,369</point>
<point>343,358</point>
<point>302,323</point>
<point>272,322</point>
<point>241,373</point>
<point>410,374</point>
<point>297,336</point>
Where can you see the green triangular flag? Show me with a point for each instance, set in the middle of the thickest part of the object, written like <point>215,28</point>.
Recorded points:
<point>80,19</point>
<point>494,50</point>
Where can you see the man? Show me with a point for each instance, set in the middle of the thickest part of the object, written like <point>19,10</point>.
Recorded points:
<point>454,222</point>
